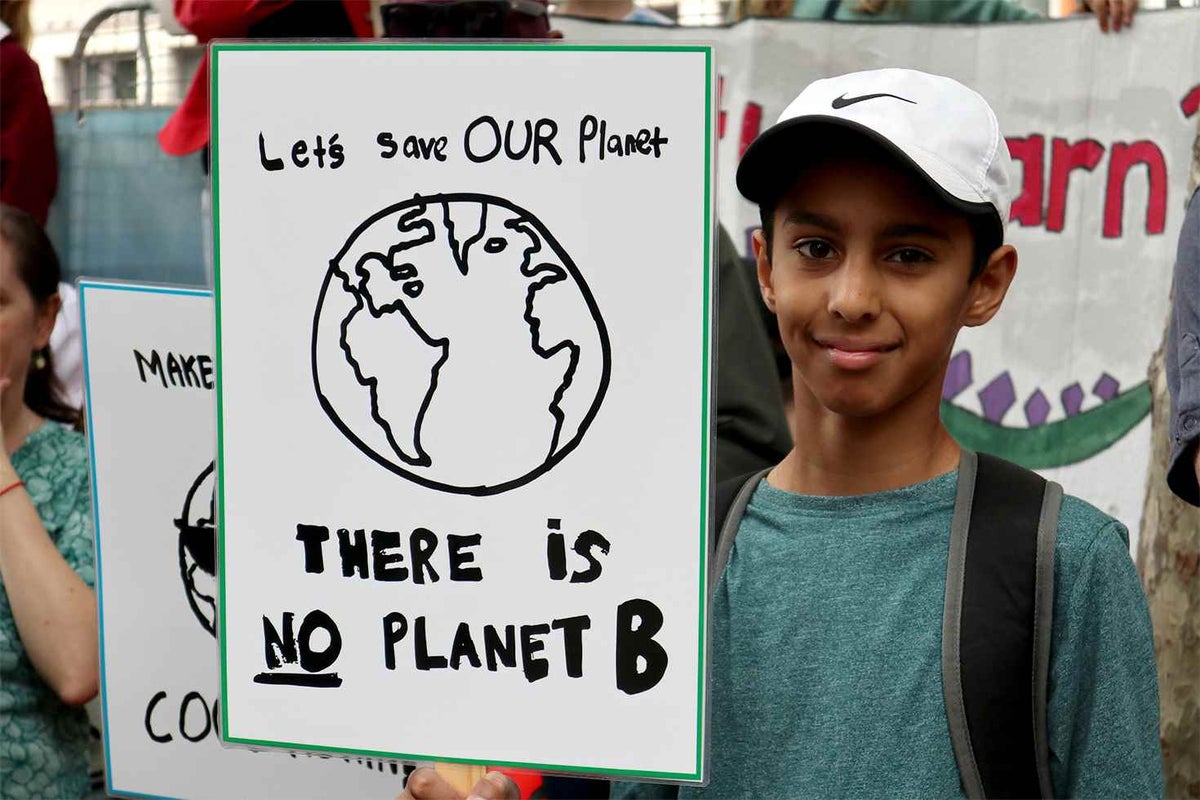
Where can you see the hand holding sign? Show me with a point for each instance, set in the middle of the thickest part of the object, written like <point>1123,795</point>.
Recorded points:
<point>427,784</point>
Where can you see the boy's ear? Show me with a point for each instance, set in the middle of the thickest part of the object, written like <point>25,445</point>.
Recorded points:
<point>991,285</point>
<point>762,261</point>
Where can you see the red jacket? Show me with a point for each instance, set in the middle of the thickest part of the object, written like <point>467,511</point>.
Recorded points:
<point>188,128</point>
<point>28,161</point>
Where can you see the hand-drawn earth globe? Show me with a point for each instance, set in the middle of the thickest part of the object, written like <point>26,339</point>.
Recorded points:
<point>456,344</point>
<point>198,549</point>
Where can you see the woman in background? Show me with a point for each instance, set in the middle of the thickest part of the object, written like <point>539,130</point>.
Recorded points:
<point>48,628</point>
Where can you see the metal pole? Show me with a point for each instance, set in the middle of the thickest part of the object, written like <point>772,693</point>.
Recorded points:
<point>144,51</point>
<point>75,70</point>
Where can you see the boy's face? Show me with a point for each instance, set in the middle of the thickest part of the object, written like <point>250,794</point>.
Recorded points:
<point>869,277</point>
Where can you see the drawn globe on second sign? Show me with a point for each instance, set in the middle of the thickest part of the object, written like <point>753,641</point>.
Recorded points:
<point>456,343</point>
<point>196,526</point>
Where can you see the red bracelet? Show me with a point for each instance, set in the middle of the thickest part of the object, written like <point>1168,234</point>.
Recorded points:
<point>10,487</point>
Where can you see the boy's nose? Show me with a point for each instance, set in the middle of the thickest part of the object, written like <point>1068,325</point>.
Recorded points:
<point>854,293</point>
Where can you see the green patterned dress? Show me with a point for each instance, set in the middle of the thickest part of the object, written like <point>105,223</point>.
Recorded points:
<point>43,744</point>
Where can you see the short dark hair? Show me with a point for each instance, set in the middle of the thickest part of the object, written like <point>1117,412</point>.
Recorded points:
<point>986,234</point>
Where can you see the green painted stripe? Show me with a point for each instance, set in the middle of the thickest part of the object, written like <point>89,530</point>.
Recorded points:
<point>1056,444</point>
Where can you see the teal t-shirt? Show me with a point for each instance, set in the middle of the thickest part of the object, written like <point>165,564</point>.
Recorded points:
<point>826,654</point>
<point>43,743</point>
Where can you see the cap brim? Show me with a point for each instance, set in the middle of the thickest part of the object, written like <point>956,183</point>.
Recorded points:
<point>773,160</point>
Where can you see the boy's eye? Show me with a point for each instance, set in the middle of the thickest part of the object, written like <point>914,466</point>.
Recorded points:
<point>909,255</point>
<point>814,248</point>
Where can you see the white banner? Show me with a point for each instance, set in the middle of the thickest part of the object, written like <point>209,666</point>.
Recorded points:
<point>150,379</point>
<point>1101,130</point>
<point>463,306</point>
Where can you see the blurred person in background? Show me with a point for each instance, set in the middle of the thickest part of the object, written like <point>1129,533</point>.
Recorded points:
<point>752,426</point>
<point>1111,14</point>
<point>187,131</point>
<point>1183,360</point>
<point>28,161</point>
<point>48,626</point>
<point>188,128</point>
<point>613,11</point>
<point>467,19</point>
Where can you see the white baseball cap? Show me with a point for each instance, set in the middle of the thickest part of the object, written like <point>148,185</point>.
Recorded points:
<point>944,130</point>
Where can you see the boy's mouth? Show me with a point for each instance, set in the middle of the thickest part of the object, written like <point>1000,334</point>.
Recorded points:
<point>852,353</point>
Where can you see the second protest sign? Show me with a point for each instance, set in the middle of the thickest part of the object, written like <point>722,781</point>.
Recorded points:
<point>463,348</point>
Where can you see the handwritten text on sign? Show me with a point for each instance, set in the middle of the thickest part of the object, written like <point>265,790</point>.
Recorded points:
<point>485,139</point>
<point>386,555</point>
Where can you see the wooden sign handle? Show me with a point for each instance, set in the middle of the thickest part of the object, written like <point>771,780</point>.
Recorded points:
<point>462,777</point>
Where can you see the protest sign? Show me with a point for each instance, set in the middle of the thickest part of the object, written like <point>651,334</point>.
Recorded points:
<point>150,399</point>
<point>463,328</point>
<point>1100,128</point>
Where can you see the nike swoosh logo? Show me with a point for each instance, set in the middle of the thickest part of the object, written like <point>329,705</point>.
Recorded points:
<point>844,101</point>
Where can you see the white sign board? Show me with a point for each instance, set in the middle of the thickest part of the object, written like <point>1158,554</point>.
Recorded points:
<point>150,400</point>
<point>1101,129</point>
<point>463,307</point>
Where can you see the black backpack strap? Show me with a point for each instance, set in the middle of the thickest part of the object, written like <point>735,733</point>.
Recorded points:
<point>996,627</point>
<point>729,502</point>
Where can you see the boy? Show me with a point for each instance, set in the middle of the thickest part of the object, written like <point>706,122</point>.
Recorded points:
<point>883,197</point>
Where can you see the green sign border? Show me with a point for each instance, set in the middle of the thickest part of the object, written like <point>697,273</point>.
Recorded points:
<point>215,50</point>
